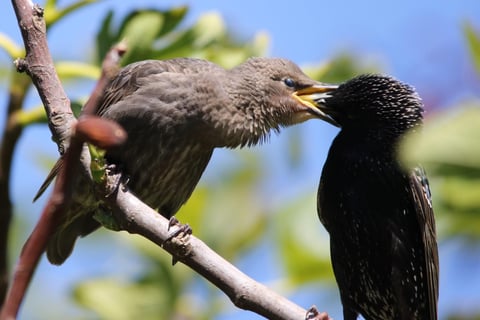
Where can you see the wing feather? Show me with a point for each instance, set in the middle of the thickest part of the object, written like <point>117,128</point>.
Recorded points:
<point>422,197</point>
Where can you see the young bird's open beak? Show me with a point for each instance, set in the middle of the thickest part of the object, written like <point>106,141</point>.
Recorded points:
<point>314,98</point>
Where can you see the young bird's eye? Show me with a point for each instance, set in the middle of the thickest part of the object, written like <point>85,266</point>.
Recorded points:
<point>289,82</point>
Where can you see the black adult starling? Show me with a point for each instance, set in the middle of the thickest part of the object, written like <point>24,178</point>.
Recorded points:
<point>378,214</point>
<point>175,113</point>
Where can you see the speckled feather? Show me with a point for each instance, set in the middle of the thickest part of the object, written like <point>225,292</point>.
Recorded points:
<point>175,113</point>
<point>379,215</point>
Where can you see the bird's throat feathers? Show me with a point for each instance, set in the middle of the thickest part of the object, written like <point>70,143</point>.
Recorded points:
<point>251,117</point>
<point>247,125</point>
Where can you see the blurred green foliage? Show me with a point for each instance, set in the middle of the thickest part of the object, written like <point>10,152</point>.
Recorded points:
<point>156,34</point>
<point>473,42</point>
<point>448,148</point>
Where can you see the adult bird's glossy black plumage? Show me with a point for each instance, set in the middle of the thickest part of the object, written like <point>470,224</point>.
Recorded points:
<point>379,215</point>
<point>175,113</point>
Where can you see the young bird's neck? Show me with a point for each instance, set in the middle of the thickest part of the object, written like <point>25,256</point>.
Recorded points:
<point>248,124</point>
<point>241,119</point>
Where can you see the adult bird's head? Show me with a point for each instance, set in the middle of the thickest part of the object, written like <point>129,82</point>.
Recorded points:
<point>281,91</point>
<point>373,102</point>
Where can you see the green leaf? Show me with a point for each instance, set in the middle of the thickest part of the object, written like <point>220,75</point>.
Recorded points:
<point>77,106</point>
<point>10,47</point>
<point>303,242</point>
<point>50,4</point>
<point>98,163</point>
<point>139,30</point>
<point>448,149</point>
<point>112,299</point>
<point>172,19</point>
<point>209,27</point>
<point>105,37</point>
<point>340,68</point>
<point>473,40</point>
<point>229,232</point>
<point>163,284</point>
<point>205,32</point>
<point>461,193</point>
<point>152,34</point>
<point>448,142</point>
<point>71,69</point>
<point>53,14</point>
<point>31,116</point>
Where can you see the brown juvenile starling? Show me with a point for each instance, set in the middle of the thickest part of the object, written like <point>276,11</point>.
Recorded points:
<point>175,113</point>
<point>378,214</point>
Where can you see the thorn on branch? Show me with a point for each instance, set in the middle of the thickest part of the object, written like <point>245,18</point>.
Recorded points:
<point>38,10</point>
<point>21,65</point>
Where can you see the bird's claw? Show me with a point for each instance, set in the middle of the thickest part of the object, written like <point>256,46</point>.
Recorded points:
<point>181,229</point>
<point>181,232</point>
<point>314,314</point>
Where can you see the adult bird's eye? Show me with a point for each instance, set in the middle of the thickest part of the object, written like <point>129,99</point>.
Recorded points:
<point>289,82</point>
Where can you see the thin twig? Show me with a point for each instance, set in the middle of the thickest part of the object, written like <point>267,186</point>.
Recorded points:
<point>12,132</point>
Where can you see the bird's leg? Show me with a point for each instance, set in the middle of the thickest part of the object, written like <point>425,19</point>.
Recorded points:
<point>314,314</point>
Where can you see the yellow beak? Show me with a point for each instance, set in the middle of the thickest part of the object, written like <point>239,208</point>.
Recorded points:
<point>314,98</point>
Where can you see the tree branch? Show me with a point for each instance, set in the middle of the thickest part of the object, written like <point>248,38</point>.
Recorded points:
<point>244,292</point>
<point>38,64</point>
<point>12,131</point>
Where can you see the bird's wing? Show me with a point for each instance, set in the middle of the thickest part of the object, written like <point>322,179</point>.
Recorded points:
<point>51,175</point>
<point>124,84</point>
<point>127,81</point>
<point>130,78</point>
<point>425,216</point>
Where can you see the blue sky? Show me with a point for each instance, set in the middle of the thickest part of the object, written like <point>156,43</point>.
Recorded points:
<point>420,42</point>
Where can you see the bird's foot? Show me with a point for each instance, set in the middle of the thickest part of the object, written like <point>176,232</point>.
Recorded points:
<point>115,179</point>
<point>180,233</point>
<point>181,230</point>
<point>314,314</point>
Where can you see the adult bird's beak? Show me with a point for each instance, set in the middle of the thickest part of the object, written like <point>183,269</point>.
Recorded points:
<point>314,99</point>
